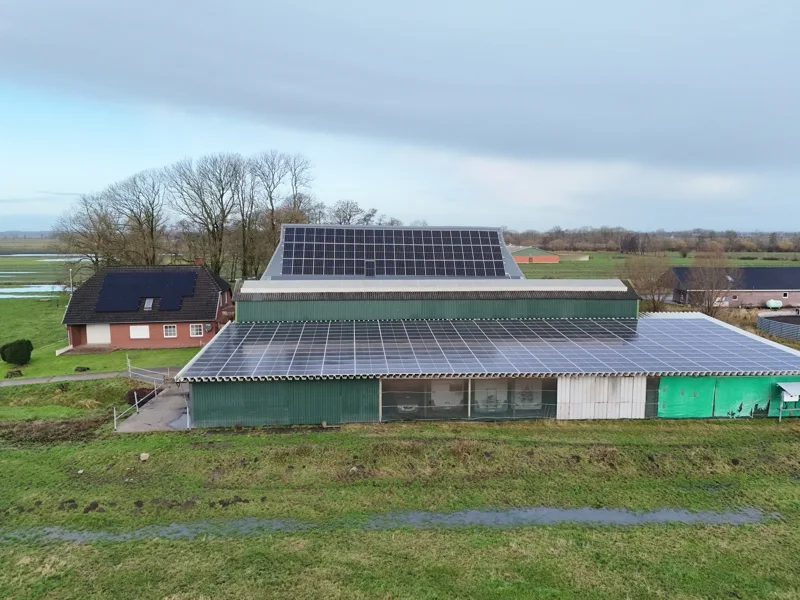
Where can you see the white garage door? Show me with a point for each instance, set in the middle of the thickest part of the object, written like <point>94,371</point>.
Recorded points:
<point>98,334</point>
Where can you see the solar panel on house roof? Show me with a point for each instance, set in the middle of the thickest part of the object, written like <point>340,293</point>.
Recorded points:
<point>392,252</point>
<point>123,292</point>
<point>491,348</point>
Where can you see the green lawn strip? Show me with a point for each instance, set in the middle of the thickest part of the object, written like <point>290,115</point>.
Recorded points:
<point>363,470</point>
<point>45,363</point>
<point>67,401</point>
<point>84,395</point>
<point>562,562</point>
<point>36,320</point>
<point>609,264</point>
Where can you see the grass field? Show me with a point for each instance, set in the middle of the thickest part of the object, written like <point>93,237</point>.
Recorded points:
<point>25,270</point>
<point>40,321</point>
<point>338,479</point>
<point>62,400</point>
<point>603,265</point>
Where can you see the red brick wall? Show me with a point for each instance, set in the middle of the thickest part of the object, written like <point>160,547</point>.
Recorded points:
<point>760,298</point>
<point>120,337</point>
<point>537,259</point>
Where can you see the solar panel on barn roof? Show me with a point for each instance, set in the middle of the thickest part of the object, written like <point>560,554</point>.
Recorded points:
<point>393,252</point>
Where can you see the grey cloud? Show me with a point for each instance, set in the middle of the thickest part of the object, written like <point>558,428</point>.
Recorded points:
<point>699,84</point>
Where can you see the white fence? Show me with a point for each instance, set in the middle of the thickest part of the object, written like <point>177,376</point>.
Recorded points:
<point>135,406</point>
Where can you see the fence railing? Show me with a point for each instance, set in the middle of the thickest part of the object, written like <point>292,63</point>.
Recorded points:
<point>136,403</point>
<point>154,378</point>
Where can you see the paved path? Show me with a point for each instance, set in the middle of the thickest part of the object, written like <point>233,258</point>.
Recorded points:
<point>79,377</point>
<point>165,413</point>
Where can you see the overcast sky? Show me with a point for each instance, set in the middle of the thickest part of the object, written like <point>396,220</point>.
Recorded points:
<point>528,114</point>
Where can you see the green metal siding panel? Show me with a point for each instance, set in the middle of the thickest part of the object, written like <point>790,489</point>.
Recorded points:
<point>731,397</point>
<point>686,397</point>
<point>226,404</point>
<point>361,310</point>
<point>748,396</point>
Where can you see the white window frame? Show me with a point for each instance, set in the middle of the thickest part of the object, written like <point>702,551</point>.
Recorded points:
<point>785,294</point>
<point>191,332</point>
<point>148,303</point>
<point>734,297</point>
<point>170,336</point>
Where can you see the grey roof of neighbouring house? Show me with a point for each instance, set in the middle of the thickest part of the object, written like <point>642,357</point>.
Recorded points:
<point>752,278</point>
<point>201,305</point>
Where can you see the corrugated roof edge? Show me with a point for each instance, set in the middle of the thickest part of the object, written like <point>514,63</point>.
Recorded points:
<point>483,375</point>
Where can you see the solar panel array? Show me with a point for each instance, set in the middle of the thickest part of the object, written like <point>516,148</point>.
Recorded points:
<point>351,251</point>
<point>123,292</point>
<point>486,348</point>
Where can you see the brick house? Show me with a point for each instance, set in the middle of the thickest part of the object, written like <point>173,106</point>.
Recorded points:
<point>752,287</point>
<point>177,306</point>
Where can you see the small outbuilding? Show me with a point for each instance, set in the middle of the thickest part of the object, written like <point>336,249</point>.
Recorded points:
<point>535,256</point>
<point>175,306</point>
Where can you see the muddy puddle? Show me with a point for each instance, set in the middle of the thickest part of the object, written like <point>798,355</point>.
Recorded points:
<point>516,517</point>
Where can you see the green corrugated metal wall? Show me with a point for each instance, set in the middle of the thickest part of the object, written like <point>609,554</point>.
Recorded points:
<point>369,310</point>
<point>225,404</point>
<point>704,397</point>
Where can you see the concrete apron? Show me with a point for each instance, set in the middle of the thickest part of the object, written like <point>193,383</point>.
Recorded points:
<point>167,412</point>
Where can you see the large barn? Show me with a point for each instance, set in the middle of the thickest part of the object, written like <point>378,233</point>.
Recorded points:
<point>368,324</point>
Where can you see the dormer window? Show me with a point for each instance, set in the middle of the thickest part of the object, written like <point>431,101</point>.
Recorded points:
<point>148,303</point>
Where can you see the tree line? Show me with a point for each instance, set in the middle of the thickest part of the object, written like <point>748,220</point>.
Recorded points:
<point>224,208</point>
<point>618,239</point>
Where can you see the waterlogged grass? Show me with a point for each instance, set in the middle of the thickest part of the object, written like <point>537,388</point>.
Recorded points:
<point>343,476</point>
<point>21,270</point>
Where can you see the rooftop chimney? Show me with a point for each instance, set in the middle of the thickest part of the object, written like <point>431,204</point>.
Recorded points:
<point>198,261</point>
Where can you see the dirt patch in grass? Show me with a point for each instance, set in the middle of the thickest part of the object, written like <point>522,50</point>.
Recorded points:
<point>52,431</point>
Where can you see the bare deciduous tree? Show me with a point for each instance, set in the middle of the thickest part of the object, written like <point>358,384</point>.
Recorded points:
<point>345,212</point>
<point>271,170</point>
<point>202,193</point>
<point>299,170</point>
<point>90,230</point>
<point>711,279</point>
<point>651,277</point>
<point>140,201</point>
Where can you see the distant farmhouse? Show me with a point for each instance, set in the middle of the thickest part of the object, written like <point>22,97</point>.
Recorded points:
<point>752,286</point>
<point>533,255</point>
<point>178,306</point>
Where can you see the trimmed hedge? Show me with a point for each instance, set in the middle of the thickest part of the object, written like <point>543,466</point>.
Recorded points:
<point>17,352</point>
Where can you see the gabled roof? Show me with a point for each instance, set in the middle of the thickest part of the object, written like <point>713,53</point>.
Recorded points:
<point>531,251</point>
<point>200,305</point>
<point>752,278</point>
<point>334,252</point>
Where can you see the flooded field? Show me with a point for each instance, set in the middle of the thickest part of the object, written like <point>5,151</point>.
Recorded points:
<point>36,269</point>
